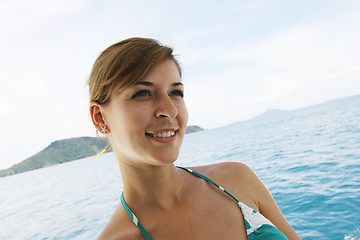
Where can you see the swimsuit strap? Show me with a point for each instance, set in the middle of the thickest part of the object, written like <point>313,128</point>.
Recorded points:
<point>240,204</point>
<point>142,229</point>
<point>210,181</point>
<point>134,218</point>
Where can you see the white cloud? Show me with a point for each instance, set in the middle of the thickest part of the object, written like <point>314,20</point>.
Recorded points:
<point>237,63</point>
<point>294,67</point>
<point>19,17</point>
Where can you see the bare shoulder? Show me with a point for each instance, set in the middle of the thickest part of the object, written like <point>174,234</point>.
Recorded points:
<point>226,171</point>
<point>242,182</point>
<point>237,178</point>
<point>119,227</point>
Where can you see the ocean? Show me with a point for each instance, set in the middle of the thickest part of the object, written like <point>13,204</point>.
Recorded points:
<point>308,158</point>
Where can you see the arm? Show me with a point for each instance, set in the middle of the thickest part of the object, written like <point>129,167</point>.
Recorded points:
<point>266,203</point>
<point>240,179</point>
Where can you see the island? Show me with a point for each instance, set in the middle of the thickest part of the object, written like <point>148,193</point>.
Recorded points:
<point>66,150</point>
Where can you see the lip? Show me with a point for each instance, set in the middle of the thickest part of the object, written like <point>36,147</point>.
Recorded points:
<point>163,140</point>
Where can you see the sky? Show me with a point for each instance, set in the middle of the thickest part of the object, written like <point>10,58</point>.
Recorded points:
<point>239,59</point>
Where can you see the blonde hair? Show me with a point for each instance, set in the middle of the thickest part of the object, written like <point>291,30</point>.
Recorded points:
<point>122,65</point>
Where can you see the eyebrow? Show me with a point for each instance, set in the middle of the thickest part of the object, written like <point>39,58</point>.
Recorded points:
<point>146,83</point>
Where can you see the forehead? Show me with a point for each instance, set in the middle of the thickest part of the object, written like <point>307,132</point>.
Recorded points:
<point>166,72</point>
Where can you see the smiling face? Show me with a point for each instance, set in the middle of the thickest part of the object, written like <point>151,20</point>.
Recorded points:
<point>147,121</point>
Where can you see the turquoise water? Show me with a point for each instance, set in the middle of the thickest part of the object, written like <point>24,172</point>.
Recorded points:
<point>308,158</point>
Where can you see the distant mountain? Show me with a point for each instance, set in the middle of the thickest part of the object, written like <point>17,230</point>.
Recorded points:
<point>330,104</point>
<point>191,129</point>
<point>271,112</point>
<point>59,152</point>
<point>66,150</point>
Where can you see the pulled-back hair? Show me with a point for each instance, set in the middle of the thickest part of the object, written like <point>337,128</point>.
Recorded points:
<point>123,64</point>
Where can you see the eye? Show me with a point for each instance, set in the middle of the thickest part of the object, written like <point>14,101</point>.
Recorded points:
<point>177,93</point>
<point>141,94</point>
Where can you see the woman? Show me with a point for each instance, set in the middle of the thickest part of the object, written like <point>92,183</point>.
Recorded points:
<point>136,99</point>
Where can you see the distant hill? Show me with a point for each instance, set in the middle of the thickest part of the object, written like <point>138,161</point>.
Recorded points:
<point>66,150</point>
<point>59,152</point>
<point>270,113</point>
<point>191,129</point>
<point>330,104</point>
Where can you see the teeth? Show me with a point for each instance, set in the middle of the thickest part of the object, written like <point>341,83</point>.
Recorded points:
<point>164,134</point>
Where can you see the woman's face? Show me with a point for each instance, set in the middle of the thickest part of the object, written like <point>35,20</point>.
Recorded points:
<point>147,122</point>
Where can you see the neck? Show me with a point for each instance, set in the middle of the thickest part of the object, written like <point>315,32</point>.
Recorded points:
<point>156,187</point>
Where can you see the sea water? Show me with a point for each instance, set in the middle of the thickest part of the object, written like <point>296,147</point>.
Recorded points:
<point>308,158</point>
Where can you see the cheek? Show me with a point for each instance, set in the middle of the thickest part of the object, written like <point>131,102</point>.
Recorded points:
<point>183,113</point>
<point>126,119</point>
<point>137,117</point>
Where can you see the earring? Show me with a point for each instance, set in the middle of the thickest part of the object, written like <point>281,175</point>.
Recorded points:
<point>104,130</point>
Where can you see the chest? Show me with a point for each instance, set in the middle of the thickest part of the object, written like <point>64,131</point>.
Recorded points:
<point>206,215</point>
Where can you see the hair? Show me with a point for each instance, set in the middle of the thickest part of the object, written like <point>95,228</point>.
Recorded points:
<point>122,65</point>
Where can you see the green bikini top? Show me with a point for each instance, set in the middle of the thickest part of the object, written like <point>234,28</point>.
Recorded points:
<point>257,226</point>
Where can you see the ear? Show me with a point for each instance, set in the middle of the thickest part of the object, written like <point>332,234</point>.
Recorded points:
<point>97,115</point>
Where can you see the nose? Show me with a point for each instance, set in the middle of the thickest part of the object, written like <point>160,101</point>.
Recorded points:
<point>166,109</point>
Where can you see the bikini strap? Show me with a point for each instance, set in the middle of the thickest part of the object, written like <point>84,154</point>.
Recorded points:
<point>210,181</point>
<point>240,204</point>
<point>134,218</point>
